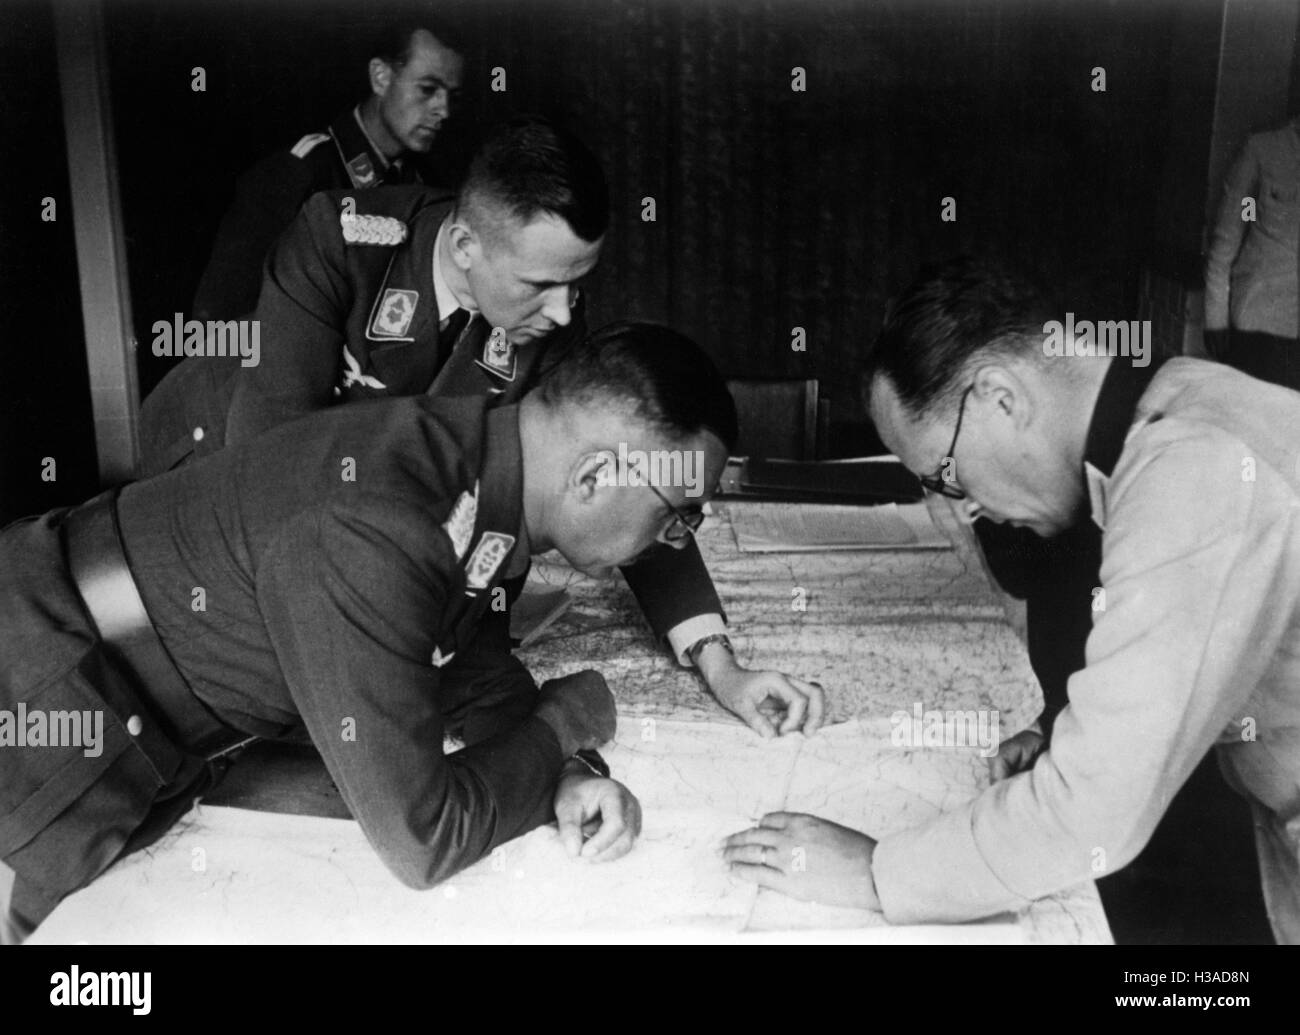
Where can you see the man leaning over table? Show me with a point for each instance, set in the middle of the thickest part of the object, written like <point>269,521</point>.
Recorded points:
<point>346,563</point>
<point>398,291</point>
<point>1192,472</point>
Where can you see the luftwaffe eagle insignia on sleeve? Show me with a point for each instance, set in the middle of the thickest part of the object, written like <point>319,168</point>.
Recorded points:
<point>384,231</point>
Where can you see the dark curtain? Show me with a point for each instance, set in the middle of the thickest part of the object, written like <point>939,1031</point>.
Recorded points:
<point>778,209</point>
<point>775,209</point>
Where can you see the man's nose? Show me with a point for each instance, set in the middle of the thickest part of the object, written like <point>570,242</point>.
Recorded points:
<point>440,103</point>
<point>676,544</point>
<point>558,306</point>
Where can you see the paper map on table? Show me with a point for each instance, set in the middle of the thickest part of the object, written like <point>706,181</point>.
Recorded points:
<point>230,875</point>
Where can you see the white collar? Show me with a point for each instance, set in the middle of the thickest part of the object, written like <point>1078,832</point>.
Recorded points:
<point>1098,483</point>
<point>447,301</point>
<point>374,148</point>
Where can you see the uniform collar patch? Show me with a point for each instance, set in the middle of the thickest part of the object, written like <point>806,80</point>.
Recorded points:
<point>361,171</point>
<point>499,355</point>
<point>394,313</point>
<point>488,556</point>
<point>459,525</point>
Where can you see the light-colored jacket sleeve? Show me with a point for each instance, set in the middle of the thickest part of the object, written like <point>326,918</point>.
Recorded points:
<point>1201,575</point>
<point>1226,236</point>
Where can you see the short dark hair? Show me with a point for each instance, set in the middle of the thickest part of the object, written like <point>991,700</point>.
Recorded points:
<point>662,378</point>
<point>392,43</point>
<point>530,166</point>
<point>953,313</point>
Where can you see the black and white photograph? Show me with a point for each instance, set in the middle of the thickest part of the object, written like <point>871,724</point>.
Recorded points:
<point>651,472</point>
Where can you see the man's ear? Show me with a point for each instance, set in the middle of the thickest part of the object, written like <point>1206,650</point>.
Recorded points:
<point>1007,388</point>
<point>381,76</point>
<point>464,244</point>
<point>591,473</point>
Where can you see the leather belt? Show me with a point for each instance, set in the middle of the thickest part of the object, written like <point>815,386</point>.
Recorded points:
<point>92,542</point>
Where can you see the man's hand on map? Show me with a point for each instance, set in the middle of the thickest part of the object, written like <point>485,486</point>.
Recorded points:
<point>599,819</point>
<point>771,703</point>
<point>806,858</point>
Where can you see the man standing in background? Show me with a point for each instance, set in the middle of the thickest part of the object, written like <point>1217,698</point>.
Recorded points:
<point>1252,284</point>
<point>415,74</point>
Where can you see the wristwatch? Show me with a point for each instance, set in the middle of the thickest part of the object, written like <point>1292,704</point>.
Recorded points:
<point>693,651</point>
<point>592,760</point>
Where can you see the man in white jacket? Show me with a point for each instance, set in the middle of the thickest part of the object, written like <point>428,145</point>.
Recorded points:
<point>1192,472</point>
<point>1252,284</point>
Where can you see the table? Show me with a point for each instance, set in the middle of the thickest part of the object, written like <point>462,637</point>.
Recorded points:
<point>883,631</point>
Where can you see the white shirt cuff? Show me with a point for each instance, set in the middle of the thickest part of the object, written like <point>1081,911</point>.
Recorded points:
<point>691,631</point>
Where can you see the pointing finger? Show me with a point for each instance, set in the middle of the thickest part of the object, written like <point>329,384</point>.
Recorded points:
<point>569,820</point>
<point>796,707</point>
<point>612,824</point>
<point>756,720</point>
<point>778,820</point>
<point>816,706</point>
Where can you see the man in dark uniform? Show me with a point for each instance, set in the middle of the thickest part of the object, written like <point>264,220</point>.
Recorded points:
<point>336,575</point>
<point>398,291</point>
<point>415,75</point>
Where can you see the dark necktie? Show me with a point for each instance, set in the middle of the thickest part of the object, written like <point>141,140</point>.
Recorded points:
<point>461,334</point>
<point>474,335</point>
<point>448,335</point>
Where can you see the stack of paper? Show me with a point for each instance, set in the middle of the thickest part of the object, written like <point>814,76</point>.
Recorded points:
<point>801,527</point>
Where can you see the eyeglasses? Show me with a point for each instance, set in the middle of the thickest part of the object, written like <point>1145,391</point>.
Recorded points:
<point>941,482</point>
<point>684,523</point>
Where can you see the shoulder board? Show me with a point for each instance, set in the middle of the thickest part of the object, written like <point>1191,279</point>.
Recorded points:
<point>365,229</point>
<point>307,143</point>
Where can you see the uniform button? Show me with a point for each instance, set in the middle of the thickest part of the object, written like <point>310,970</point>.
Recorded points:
<point>134,725</point>
<point>198,434</point>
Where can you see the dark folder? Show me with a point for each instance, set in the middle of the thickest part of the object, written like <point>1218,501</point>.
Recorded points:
<point>850,481</point>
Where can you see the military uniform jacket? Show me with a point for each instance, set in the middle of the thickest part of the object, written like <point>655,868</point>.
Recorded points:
<point>336,575</point>
<point>347,311</point>
<point>268,197</point>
